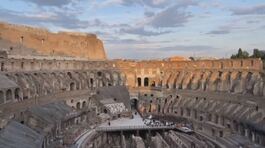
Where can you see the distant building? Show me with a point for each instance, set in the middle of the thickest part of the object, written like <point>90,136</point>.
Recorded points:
<point>203,58</point>
<point>177,58</point>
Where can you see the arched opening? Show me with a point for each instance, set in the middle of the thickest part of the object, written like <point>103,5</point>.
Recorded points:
<point>150,108</point>
<point>99,74</point>
<point>221,134</point>
<point>153,84</point>
<point>21,39</point>
<point>252,62</point>
<point>146,82</point>
<point>17,93</point>
<point>84,104</point>
<point>134,104</point>
<point>78,105</point>
<point>22,65</point>
<point>26,95</point>
<point>213,132</point>
<point>72,86</point>
<point>32,65</point>
<point>2,66</point>
<point>69,75</point>
<point>105,111</point>
<point>8,95</point>
<point>158,108</point>
<point>91,82</point>
<point>160,83</point>
<point>2,97</point>
<point>139,82</point>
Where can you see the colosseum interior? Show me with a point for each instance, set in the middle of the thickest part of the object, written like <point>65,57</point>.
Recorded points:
<point>57,101</point>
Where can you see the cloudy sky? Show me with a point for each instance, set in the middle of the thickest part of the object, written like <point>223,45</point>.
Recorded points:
<point>146,29</point>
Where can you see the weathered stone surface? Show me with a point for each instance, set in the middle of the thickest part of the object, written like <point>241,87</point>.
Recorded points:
<point>79,45</point>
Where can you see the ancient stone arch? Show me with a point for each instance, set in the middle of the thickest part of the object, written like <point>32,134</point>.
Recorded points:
<point>78,105</point>
<point>84,104</point>
<point>72,86</point>
<point>139,82</point>
<point>9,95</point>
<point>116,78</point>
<point>2,99</point>
<point>17,93</point>
<point>146,81</point>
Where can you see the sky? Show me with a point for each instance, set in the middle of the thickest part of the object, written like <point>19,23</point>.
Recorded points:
<point>148,29</point>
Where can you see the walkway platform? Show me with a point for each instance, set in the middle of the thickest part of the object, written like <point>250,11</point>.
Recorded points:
<point>127,124</point>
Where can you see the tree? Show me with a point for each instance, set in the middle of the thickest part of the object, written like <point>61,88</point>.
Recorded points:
<point>258,54</point>
<point>245,55</point>
<point>192,58</point>
<point>240,54</point>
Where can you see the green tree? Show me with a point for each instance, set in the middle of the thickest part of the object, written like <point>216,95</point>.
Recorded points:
<point>240,54</point>
<point>258,54</point>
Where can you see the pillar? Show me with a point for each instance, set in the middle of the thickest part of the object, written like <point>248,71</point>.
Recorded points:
<point>121,137</point>
<point>253,136</point>
<point>246,132</point>
<point>13,95</point>
<point>4,93</point>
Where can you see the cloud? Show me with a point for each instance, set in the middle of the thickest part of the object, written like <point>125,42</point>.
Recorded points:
<point>142,31</point>
<point>149,14</point>
<point>157,3</point>
<point>58,19</point>
<point>173,16</point>
<point>145,52</point>
<point>170,17</point>
<point>126,41</point>
<point>128,3</point>
<point>186,48</point>
<point>219,32</point>
<point>251,10</point>
<point>56,3</point>
<point>253,21</point>
<point>229,27</point>
<point>147,3</point>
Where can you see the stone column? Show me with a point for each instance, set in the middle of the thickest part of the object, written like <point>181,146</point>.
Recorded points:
<point>4,93</point>
<point>253,136</point>
<point>13,95</point>
<point>246,132</point>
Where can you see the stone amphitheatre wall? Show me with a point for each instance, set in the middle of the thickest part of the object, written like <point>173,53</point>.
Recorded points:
<point>216,114</point>
<point>222,64</point>
<point>138,67</point>
<point>63,43</point>
<point>235,76</point>
<point>42,83</point>
<point>20,65</point>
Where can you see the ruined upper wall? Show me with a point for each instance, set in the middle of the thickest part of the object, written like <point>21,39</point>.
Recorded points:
<point>222,64</point>
<point>61,44</point>
<point>52,63</point>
